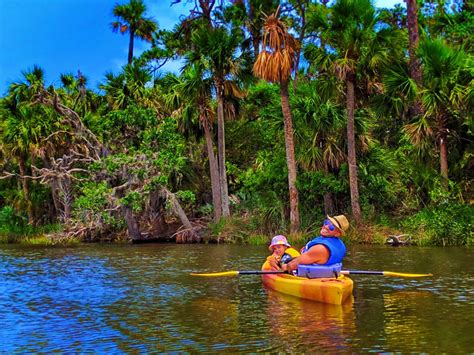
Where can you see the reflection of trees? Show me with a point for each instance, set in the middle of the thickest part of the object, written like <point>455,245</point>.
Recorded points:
<point>403,319</point>
<point>409,316</point>
<point>310,325</point>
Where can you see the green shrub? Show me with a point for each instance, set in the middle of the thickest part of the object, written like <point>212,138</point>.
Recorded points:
<point>447,224</point>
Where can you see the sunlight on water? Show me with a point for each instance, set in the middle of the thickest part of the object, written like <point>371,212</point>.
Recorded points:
<point>105,298</point>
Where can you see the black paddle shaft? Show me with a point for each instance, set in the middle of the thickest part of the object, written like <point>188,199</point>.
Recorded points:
<point>263,272</point>
<point>363,272</point>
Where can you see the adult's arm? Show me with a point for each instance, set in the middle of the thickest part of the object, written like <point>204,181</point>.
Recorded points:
<point>317,254</point>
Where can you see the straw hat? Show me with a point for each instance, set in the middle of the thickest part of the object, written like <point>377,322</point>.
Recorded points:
<point>279,240</point>
<point>340,222</point>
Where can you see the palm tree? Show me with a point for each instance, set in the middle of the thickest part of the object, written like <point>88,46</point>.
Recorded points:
<point>251,14</point>
<point>444,94</point>
<point>127,87</point>
<point>191,95</point>
<point>356,50</point>
<point>216,49</point>
<point>130,20</point>
<point>23,127</point>
<point>275,63</point>
<point>320,135</point>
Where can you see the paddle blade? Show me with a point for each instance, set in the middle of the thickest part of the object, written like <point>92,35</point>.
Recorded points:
<point>400,274</point>
<point>216,274</point>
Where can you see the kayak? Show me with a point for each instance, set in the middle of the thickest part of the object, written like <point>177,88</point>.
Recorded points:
<point>327,290</point>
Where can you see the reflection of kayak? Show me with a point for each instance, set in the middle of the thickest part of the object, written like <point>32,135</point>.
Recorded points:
<point>326,290</point>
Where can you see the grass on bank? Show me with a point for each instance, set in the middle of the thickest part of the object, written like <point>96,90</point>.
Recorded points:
<point>445,225</point>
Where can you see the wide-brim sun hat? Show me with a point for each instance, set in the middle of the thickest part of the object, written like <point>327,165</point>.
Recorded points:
<point>278,240</point>
<point>340,222</point>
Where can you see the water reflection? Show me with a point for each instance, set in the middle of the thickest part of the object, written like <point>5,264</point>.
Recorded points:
<point>315,325</point>
<point>103,298</point>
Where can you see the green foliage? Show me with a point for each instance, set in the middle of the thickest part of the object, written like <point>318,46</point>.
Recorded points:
<point>11,222</point>
<point>14,227</point>
<point>93,197</point>
<point>381,186</point>
<point>448,224</point>
<point>91,206</point>
<point>127,126</point>
<point>186,196</point>
<point>153,130</point>
<point>134,200</point>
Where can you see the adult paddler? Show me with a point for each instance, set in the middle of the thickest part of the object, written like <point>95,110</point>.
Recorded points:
<point>325,249</point>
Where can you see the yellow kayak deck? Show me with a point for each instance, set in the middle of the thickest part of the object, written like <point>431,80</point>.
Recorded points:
<point>326,290</point>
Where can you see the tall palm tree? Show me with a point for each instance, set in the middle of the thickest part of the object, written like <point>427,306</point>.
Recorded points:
<point>356,50</point>
<point>217,50</point>
<point>275,63</point>
<point>131,20</point>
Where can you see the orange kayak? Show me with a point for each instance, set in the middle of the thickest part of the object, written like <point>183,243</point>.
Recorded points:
<point>326,290</point>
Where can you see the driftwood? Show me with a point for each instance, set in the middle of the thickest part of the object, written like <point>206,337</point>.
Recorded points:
<point>188,234</point>
<point>397,240</point>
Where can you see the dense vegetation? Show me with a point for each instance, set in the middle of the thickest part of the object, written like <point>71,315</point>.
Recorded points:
<point>362,111</point>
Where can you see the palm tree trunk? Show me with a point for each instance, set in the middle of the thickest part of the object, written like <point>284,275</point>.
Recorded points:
<point>302,10</point>
<point>443,160</point>
<point>290,158</point>
<point>351,150</point>
<point>413,40</point>
<point>221,150</point>
<point>130,47</point>
<point>26,191</point>
<point>214,171</point>
<point>414,62</point>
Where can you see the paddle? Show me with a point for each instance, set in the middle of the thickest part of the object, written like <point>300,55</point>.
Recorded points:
<point>344,272</point>
<point>383,273</point>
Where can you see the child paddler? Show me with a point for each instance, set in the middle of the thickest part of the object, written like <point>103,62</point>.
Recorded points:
<point>326,249</point>
<point>282,252</point>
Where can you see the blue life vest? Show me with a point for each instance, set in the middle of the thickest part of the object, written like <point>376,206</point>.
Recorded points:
<point>336,247</point>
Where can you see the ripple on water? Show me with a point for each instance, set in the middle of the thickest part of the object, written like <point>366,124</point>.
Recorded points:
<point>111,299</point>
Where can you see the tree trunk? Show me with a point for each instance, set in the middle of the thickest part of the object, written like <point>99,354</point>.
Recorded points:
<point>132,224</point>
<point>54,191</point>
<point>26,191</point>
<point>214,171</point>
<point>290,158</point>
<point>329,204</point>
<point>130,47</point>
<point>302,9</point>
<point>351,149</point>
<point>414,62</point>
<point>191,235</point>
<point>67,197</point>
<point>443,160</point>
<point>221,150</point>
<point>254,34</point>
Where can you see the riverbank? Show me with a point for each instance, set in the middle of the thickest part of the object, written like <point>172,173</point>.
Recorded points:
<point>236,230</point>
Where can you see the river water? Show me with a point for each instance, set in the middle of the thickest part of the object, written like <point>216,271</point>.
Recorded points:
<point>141,298</point>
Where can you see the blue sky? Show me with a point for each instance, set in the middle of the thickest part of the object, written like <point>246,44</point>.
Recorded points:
<point>64,36</point>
